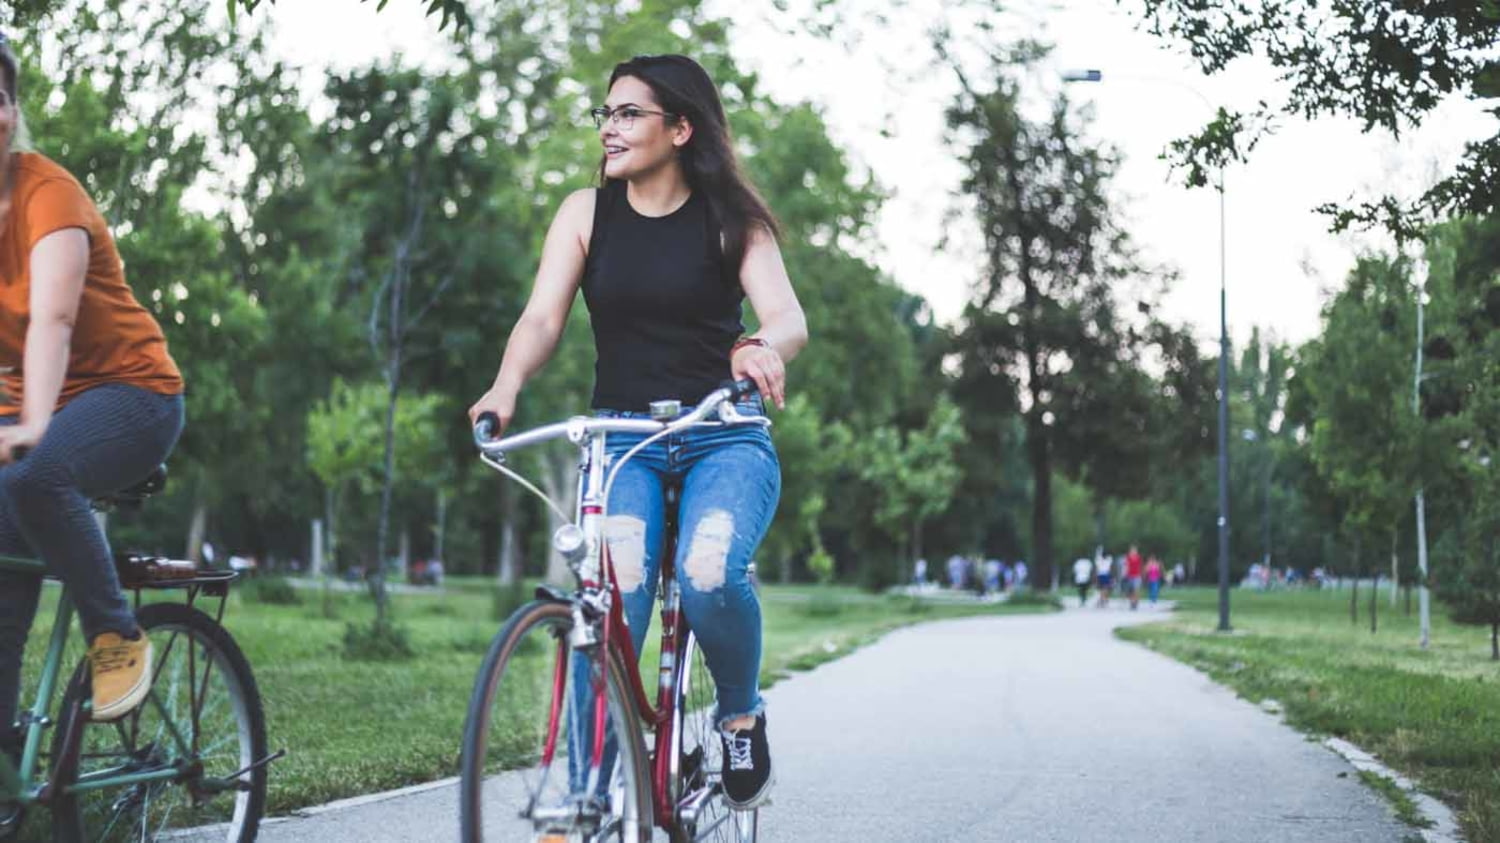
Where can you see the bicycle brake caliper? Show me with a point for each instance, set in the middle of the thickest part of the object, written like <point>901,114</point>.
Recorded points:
<point>585,633</point>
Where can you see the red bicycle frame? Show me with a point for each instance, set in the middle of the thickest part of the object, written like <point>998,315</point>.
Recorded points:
<point>661,717</point>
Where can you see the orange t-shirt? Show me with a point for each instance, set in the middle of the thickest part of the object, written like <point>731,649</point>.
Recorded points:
<point>115,340</point>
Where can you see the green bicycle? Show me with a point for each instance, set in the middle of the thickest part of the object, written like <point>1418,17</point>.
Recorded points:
<point>189,763</point>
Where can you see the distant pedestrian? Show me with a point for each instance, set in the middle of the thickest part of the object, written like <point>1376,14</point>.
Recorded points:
<point>919,573</point>
<point>1083,577</point>
<point>993,579</point>
<point>1103,566</point>
<point>1132,579</point>
<point>1153,579</point>
<point>1021,573</point>
<point>956,572</point>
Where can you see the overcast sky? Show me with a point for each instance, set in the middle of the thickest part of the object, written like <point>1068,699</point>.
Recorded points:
<point>1281,260</point>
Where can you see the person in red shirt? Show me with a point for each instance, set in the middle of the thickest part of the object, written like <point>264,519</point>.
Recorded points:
<point>1133,566</point>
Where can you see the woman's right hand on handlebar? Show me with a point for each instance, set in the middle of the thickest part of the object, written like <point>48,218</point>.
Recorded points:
<point>499,401</point>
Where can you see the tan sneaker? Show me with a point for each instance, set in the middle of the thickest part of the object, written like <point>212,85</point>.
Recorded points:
<point>121,670</point>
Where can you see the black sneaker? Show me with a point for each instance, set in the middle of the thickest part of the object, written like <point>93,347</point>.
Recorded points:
<point>747,765</point>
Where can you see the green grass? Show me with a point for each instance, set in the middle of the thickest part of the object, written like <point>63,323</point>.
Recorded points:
<point>354,727</point>
<point>1434,715</point>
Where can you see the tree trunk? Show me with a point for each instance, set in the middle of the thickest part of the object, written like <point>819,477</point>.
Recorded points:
<point>1374,601</point>
<point>510,567</point>
<point>560,483</point>
<point>382,531</point>
<point>1039,449</point>
<point>197,528</point>
<point>1495,642</point>
<point>491,521</point>
<point>1395,570</point>
<point>786,569</point>
<point>916,540</point>
<point>1354,599</point>
<point>403,554</point>
<point>1358,568</point>
<point>441,533</point>
<point>330,534</point>
<point>1407,589</point>
<point>315,562</point>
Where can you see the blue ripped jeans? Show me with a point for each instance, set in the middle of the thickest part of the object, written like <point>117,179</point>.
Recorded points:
<point>730,481</point>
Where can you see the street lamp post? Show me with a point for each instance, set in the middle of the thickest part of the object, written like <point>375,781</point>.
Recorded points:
<point>1423,610</point>
<point>1223,523</point>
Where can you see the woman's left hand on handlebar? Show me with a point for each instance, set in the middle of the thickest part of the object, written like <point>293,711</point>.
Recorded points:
<point>21,436</point>
<point>764,366</point>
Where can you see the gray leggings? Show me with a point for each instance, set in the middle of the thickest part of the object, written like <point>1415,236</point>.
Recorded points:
<point>104,440</point>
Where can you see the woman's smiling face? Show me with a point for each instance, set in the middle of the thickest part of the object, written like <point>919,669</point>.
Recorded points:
<point>651,139</point>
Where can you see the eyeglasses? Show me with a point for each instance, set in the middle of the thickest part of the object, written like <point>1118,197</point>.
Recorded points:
<point>622,117</point>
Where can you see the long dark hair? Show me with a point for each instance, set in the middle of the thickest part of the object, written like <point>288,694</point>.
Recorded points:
<point>683,88</point>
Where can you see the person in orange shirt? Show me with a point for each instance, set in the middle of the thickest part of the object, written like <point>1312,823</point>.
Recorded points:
<point>92,403</point>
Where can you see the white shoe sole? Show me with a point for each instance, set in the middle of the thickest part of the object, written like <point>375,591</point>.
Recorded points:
<point>759,800</point>
<point>131,699</point>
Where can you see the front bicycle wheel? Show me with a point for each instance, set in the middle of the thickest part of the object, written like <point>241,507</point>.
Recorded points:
<point>202,723</point>
<point>702,813</point>
<point>527,761</point>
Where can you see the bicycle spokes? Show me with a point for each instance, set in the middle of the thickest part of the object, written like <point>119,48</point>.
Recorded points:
<point>183,764</point>
<point>542,750</point>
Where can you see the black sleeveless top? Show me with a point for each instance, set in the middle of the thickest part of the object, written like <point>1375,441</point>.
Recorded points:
<point>663,313</point>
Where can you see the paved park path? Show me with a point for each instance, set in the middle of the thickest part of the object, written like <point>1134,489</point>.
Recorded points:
<point>1019,728</point>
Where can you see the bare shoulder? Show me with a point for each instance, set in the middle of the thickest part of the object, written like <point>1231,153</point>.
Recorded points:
<point>576,215</point>
<point>760,236</point>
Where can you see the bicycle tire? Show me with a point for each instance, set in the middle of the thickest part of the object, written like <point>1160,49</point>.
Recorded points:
<point>504,665</point>
<point>75,817</point>
<point>699,755</point>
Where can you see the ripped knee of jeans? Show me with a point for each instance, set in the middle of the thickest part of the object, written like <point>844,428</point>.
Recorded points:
<point>708,552</point>
<point>626,535</point>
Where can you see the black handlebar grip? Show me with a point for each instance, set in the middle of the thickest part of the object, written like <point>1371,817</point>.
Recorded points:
<point>485,426</point>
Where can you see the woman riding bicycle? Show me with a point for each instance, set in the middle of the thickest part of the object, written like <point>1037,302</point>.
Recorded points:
<point>93,403</point>
<point>666,250</point>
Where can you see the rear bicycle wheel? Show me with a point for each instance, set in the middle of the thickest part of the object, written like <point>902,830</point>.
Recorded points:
<point>702,813</point>
<point>202,718</point>
<point>529,739</point>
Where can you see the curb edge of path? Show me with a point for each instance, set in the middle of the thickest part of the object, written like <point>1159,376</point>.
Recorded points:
<point>1444,827</point>
<point>359,801</point>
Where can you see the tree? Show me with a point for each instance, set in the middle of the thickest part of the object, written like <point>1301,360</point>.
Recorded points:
<point>344,451</point>
<point>912,476</point>
<point>1365,441</point>
<point>1470,554</point>
<point>1461,401</point>
<point>453,12</point>
<point>416,239</point>
<point>1055,266</point>
<point>1386,63</point>
<point>810,449</point>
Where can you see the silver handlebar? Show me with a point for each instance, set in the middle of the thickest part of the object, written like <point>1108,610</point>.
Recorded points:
<point>580,428</point>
